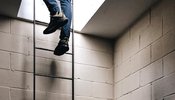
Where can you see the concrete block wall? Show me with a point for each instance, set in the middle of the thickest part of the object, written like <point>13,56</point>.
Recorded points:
<point>144,56</point>
<point>143,60</point>
<point>93,68</point>
<point>93,65</point>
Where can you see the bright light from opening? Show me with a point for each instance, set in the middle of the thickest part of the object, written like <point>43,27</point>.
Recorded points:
<point>83,11</point>
<point>26,9</point>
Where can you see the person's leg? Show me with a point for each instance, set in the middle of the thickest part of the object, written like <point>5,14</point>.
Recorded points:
<point>52,6</point>
<point>63,46</point>
<point>57,20</point>
<point>66,8</point>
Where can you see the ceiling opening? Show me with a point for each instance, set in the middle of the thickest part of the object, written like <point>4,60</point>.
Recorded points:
<point>83,11</point>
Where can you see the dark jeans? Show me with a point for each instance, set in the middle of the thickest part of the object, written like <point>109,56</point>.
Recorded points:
<point>53,7</point>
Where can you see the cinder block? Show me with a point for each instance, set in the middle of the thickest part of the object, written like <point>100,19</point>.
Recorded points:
<point>140,60</point>
<point>118,92</point>
<point>124,43</point>
<point>136,62</point>
<point>46,44</point>
<point>83,98</point>
<point>41,95</point>
<point>21,62</point>
<point>100,75</point>
<point>117,57</point>
<point>4,78</point>
<point>110,76</point>
<point>53,85</point>
<point>152,32</point>
<point>4,93</point>
<point>64,57</point>
<point>156,21</point>
<point>56,96</point>
<point>115,74</point>
<point>50,55</point>
<point>134,45</point>
<point>145,56</point>
<point>102,90</point>
<point>63,68</point>
<point>94,58</point>
<point>62,97</point>
<point>130,83</point>
<point>169,63</point>
<point>43,66</point>
<point>5,24</point>
<point>52,96</point>
<point>16,79</point>
<point>5,41</point>
<point>123,70</point>
<point>118,44</point>
<point>30,46</point>
<point>163,87</point>
<point>19,94</point>
<point>140,26</point>
<point>101,99</point>
<point>168,42</point>
<point>84,72</point>
<point>83,88</point>
<point>54,68</point>
<point>151,72</point>
<point>92,73</point>
<point>145,37</point>
<point>143,93</point>
<point>168,15</point>
<point>19,44</point>
<point>20,80</point>
<point>5,60</point>
<point>157,50</point>
<point>126,54</point>
<point>171,97</point>
<point>53,37</point>
<point>156,14</point>
<point>93,43</point>
<point>127,41</point>
<point>21,28</point>
<point>39,33</point>
<point>126,97</point>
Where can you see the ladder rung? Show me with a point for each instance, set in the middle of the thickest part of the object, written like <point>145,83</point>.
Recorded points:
<point>50,76</point>
<point>44,49</point>
<point>41,23</point>
<point>49,50</point>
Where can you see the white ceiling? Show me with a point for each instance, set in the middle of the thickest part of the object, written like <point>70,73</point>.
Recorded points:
<point>114,16</point>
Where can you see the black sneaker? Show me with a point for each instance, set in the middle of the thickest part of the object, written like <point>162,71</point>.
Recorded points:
<point>62,47</point>
<point>56,22</point>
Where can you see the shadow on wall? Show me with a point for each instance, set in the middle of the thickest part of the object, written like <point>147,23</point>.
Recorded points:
<point>53,68</point>
<point>43,84</point>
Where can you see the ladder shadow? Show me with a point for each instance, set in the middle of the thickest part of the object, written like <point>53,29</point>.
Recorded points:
<point>53,67</point>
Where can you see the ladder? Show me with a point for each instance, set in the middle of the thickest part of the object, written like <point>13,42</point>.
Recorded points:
<point>45,49</point>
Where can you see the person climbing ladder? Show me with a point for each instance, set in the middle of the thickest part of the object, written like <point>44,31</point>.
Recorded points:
<point>60,17</point>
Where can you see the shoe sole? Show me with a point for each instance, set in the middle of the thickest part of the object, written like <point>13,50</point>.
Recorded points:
<point>63,52</point>
<point>56,27</point>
